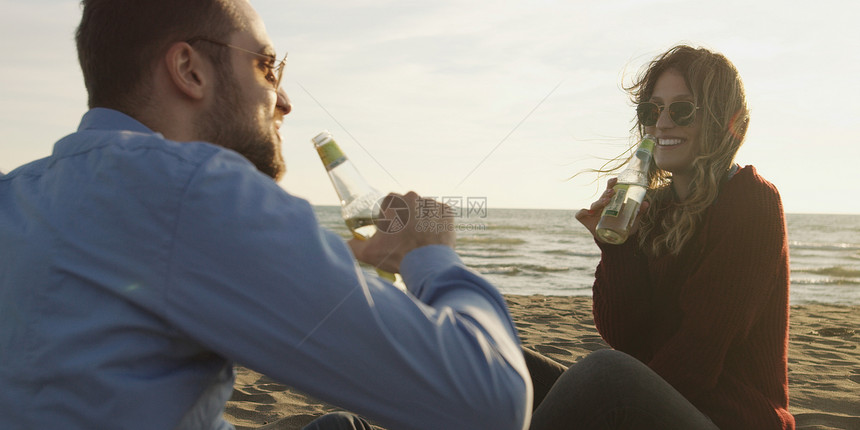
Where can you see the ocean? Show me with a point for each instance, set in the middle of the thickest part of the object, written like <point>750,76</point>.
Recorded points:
<point>537,251</point>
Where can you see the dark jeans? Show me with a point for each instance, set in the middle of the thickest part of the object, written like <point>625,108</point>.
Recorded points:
<point>338,421</point>
<point>607,389</point>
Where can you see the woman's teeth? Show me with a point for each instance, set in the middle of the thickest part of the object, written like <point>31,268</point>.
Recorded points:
<point>669,142</point>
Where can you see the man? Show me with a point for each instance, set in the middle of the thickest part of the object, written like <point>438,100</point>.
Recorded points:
<point>137,263</point>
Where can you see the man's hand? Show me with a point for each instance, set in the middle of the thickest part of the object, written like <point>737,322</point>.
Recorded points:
<point>407,222</point>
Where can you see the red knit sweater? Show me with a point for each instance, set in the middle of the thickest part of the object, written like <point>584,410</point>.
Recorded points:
<point>712,321</point>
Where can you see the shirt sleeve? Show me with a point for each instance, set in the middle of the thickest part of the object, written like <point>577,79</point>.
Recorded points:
<point>622,297</point>
<point>744,260</point>
<point>254,279</point>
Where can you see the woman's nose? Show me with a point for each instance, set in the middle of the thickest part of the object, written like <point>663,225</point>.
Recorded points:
<point>664,120</point>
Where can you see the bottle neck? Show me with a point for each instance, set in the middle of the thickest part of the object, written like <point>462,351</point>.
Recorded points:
<point>331,154</point>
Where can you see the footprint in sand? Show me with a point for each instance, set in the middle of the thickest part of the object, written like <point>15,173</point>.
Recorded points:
<point>240,396</point>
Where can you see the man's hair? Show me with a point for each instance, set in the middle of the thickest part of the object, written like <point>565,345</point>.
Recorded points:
<point>120,41</point>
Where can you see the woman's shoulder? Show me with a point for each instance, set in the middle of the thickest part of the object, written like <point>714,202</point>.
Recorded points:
<point>747,181</point>
<point>748,193</point>
<point>749,175</point>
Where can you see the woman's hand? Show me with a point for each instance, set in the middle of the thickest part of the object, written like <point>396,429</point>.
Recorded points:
<point>591,216</point>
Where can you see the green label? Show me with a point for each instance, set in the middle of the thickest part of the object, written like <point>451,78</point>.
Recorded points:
<point>331,155</point>
<point>614,206</point>
<point>647,144</point>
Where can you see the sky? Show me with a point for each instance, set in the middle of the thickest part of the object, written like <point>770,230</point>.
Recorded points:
<point>497,100</point>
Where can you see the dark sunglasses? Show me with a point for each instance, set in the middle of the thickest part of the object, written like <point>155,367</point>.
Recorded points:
<point>682,113</point>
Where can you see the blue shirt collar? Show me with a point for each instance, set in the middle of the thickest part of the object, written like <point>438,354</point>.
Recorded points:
<point>100,119</point>
<point>109,119</point>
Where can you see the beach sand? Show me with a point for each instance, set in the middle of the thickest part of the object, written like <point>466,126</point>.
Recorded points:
<point>823,364</point>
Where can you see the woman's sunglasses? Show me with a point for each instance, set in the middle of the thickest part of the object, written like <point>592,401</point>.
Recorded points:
<point>682,113</point>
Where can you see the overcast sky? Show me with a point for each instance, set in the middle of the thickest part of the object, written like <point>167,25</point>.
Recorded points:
<point>503,100</point>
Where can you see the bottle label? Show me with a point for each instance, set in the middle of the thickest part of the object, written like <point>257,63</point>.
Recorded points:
<point>648,143</point>
<point>331,155</point>
<point>614,206</point>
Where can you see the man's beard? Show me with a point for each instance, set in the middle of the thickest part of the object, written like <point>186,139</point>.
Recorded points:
<point>228,125</point>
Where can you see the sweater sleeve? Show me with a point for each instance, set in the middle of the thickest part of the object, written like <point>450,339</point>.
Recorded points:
<point>622,297</point>
<point>744,260</point>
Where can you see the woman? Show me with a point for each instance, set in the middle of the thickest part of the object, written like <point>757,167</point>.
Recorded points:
<point>695,303</point>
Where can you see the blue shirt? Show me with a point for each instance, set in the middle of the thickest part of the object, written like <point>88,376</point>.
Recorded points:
<point>134,271</point>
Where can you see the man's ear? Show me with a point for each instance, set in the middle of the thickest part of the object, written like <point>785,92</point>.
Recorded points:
<point>187,69</point>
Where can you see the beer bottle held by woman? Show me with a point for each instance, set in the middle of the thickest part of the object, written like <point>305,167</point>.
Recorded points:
<point>618,216</point>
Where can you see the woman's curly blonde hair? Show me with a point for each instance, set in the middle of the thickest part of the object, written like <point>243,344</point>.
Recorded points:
<point>718,90</point>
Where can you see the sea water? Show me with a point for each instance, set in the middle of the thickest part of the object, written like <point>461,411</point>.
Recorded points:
<point>537,251</point>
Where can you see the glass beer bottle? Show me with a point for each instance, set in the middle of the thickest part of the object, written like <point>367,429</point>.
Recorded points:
<point>618,216</point>
<point>359,201</point>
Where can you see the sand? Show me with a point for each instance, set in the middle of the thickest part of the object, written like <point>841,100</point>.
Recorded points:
<point>824,364</point>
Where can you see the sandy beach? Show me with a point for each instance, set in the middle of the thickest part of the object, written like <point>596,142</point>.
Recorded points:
<point>824,364</point>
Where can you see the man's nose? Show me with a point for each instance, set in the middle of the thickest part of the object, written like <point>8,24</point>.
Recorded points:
<point>283,103</point>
